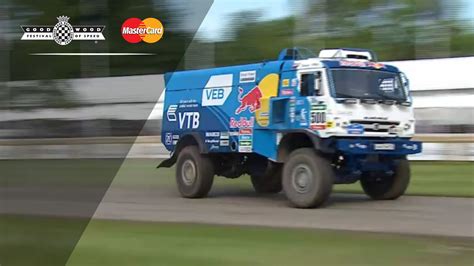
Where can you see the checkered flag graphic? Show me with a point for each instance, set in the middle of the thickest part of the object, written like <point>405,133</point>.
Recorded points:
<point>63,31</point>
<point>63,34</point>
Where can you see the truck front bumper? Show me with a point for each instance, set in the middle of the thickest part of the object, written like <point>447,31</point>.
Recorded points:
<point>382,147</point>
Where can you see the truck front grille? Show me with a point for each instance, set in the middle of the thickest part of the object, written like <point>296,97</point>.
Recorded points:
<point>376,126</point>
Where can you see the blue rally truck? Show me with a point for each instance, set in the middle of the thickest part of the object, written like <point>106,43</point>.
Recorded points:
<point>300,123</point>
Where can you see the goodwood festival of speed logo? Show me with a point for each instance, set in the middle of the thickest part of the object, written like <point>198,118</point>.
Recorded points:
<point>63,32</point>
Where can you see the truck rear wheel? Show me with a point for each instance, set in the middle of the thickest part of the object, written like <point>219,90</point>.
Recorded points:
<point>387,187</point>
<point>194,173</point>
<point>307,178</point>
<point>268,182</point>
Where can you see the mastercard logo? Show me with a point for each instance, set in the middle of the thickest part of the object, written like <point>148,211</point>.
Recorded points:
<point>149,30</point>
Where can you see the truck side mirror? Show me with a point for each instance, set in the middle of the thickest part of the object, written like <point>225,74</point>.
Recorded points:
<point>405,81</point>
<point>406,87</point>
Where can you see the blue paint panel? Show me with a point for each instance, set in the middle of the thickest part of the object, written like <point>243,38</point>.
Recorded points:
<point>264,142</point>
<point>383,147</point>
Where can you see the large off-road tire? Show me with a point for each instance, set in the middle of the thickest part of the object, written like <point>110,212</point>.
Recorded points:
<point>194,173</point>
<point>307,178</point>
<point>387,187</point>
<point>269,181</point>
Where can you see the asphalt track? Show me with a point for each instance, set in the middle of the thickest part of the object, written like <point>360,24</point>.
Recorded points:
<point>242,206</point>
<point>237,204</point>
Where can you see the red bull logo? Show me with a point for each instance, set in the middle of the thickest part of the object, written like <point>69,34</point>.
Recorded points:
<point>250,101</point>
<point>376,65</point>
<point>243,122</point>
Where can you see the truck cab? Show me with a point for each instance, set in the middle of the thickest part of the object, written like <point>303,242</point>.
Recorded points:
<point>362,97</point>
<point>301,124</point>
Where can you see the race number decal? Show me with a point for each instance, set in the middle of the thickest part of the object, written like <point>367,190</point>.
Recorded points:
<point>318,117</point>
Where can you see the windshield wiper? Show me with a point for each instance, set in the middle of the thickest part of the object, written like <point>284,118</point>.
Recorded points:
<point>389,102</point>
<point>343,95</point>
<point>346,98</point>
<point>369,101</point>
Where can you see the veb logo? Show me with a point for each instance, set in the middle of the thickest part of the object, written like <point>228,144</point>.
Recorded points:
<point>135,30</point>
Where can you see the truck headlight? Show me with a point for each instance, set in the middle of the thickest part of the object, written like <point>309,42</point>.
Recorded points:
<point>407,126</point>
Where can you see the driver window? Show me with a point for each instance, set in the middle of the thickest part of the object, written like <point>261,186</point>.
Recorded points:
<point>307,82</point>
<point>311,84</point>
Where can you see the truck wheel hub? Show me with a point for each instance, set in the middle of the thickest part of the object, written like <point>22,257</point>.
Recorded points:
<point>188,172</point>
<point>301,178</point>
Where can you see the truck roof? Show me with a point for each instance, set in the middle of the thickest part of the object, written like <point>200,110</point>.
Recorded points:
<point>357,63</point>
<point>190,79</point>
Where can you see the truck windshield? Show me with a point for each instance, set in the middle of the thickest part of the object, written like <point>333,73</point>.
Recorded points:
<point>368,84</point>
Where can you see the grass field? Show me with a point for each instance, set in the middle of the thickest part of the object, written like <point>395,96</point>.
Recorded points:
<point>428,178</point>
<point>133,243</point>
<point>455,179</point>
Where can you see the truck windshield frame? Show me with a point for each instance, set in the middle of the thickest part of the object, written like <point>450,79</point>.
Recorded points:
<point>367,84</point>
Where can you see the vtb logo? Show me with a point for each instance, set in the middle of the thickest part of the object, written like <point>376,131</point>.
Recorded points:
<point>149,30</point>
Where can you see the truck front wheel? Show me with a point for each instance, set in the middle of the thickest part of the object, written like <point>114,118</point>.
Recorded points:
<point>307,178</point>
<point>268,182</point>
<point>194,173</point>
<point>387,187</point>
